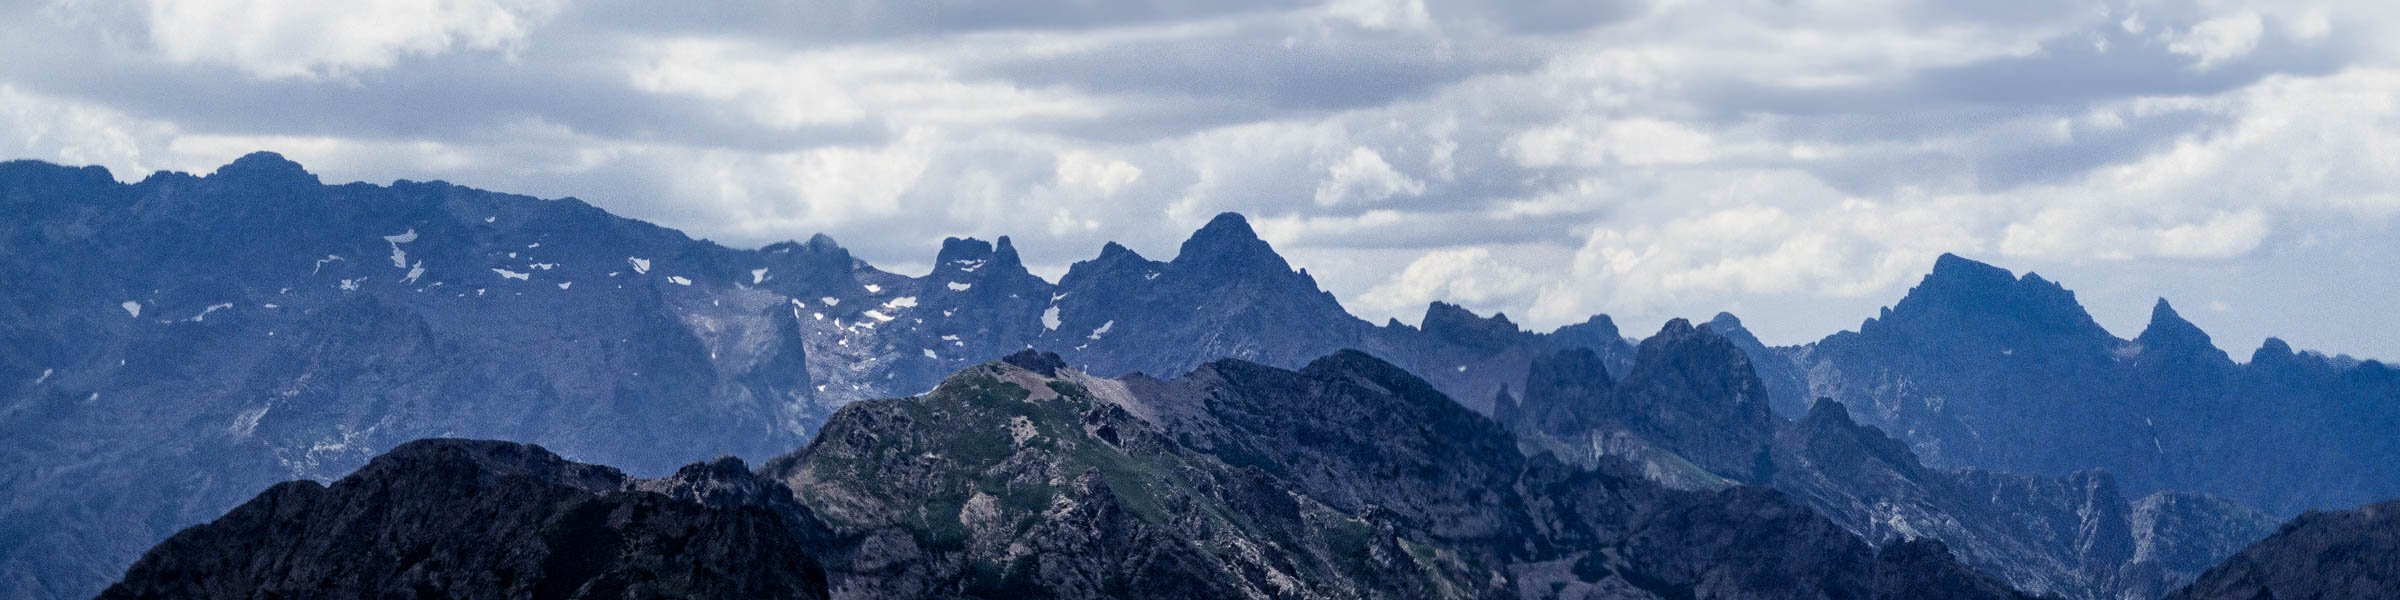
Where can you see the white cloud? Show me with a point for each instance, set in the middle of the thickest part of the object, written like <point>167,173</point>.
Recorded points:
<point>2220,39</point>
<point>308,38</point>
<point>1363,177</point>
<point>1467,276</point>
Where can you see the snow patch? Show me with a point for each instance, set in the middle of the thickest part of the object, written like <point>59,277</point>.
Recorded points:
<point>490,219</point>
<point>1050,318</point>
<point>679,280</point>
<point>961,287</point>
<point>414,272</point>
<point>1149,277</point>
<point>640,265</point>
<point>929,354</point>
<point>1103,329</point>
<point>351,285</point>
<point>321,263</point>
<point>211,308</point>
<point>507,274</point>
<point>873,289</point>
<point>830,301</point>
<point>247,421</point>
<point>400,257</point>
<point>968,265</point>
<point>758,276</point>
<point>901,302</point>
<point>564,284</point>
<point>543,266</point>
<point>46,374</point>
<point>1462,368</point>
<point>949,338</point>
<point>878,315</point>
<point>132,308</point>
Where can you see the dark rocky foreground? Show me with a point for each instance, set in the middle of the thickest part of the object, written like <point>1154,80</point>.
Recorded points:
<point>448,518</point>
<point>2339,555</point>
<point>1348,478</point>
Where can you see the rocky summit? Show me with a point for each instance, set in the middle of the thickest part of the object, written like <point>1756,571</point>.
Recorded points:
<point>1348,478</point>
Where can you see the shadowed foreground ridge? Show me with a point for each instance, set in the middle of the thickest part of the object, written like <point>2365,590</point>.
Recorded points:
<point>449,518</point>
<point>2340,555</point>
<point>1348,478</point>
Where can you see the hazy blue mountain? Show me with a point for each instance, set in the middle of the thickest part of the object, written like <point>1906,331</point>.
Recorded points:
<point>1692,412</point>
<point>1348,478</point>
<point>1977,367</point>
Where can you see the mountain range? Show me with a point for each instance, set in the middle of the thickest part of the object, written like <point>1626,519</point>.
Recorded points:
<point>1023,478</point>
<point>176,344</point>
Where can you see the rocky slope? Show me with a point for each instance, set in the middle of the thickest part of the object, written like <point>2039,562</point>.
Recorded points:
<point>2340,555</point>
<point>1692,412</point>
<point>1348,478</point>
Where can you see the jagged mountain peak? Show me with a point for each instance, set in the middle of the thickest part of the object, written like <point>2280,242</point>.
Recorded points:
<point>1458,325</point>
<point>2169,332</point>
<point>2274,350</point>
<point>1725,324</point>
<point>1828,410</point>
<point>1047,364</point>
<point>266,166</point>
<point>1962,294</point>
<point>1227,240</point>
<point>970,255</point>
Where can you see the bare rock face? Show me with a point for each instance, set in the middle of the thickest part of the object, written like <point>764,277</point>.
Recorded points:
<point>2341,555</point>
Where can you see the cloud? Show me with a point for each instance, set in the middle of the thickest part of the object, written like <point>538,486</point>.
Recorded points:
<point>301,38</point>
<point>1364,177</point>
<point>2220,39</point>
<point>1466,276</point>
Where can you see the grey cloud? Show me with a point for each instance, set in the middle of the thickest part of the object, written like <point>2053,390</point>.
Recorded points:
<point>1255,68</point>
<point>1537,16</point>
<point>2069,71</point>
<point>559,79</point>
<point>839,21</point>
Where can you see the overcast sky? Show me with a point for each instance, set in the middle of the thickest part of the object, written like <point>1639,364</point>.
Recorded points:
<point>1797,162</point>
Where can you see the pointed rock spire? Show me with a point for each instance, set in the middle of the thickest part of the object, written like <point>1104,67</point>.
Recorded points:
<point>1227,240</point>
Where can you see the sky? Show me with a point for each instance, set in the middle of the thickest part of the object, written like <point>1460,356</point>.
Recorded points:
<point>1796,162</point>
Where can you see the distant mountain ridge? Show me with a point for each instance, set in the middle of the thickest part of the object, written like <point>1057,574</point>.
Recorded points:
<point>1692,412</point>
<point>262,326</point>
<point>1978,367</point>
<point>1348,478</point>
